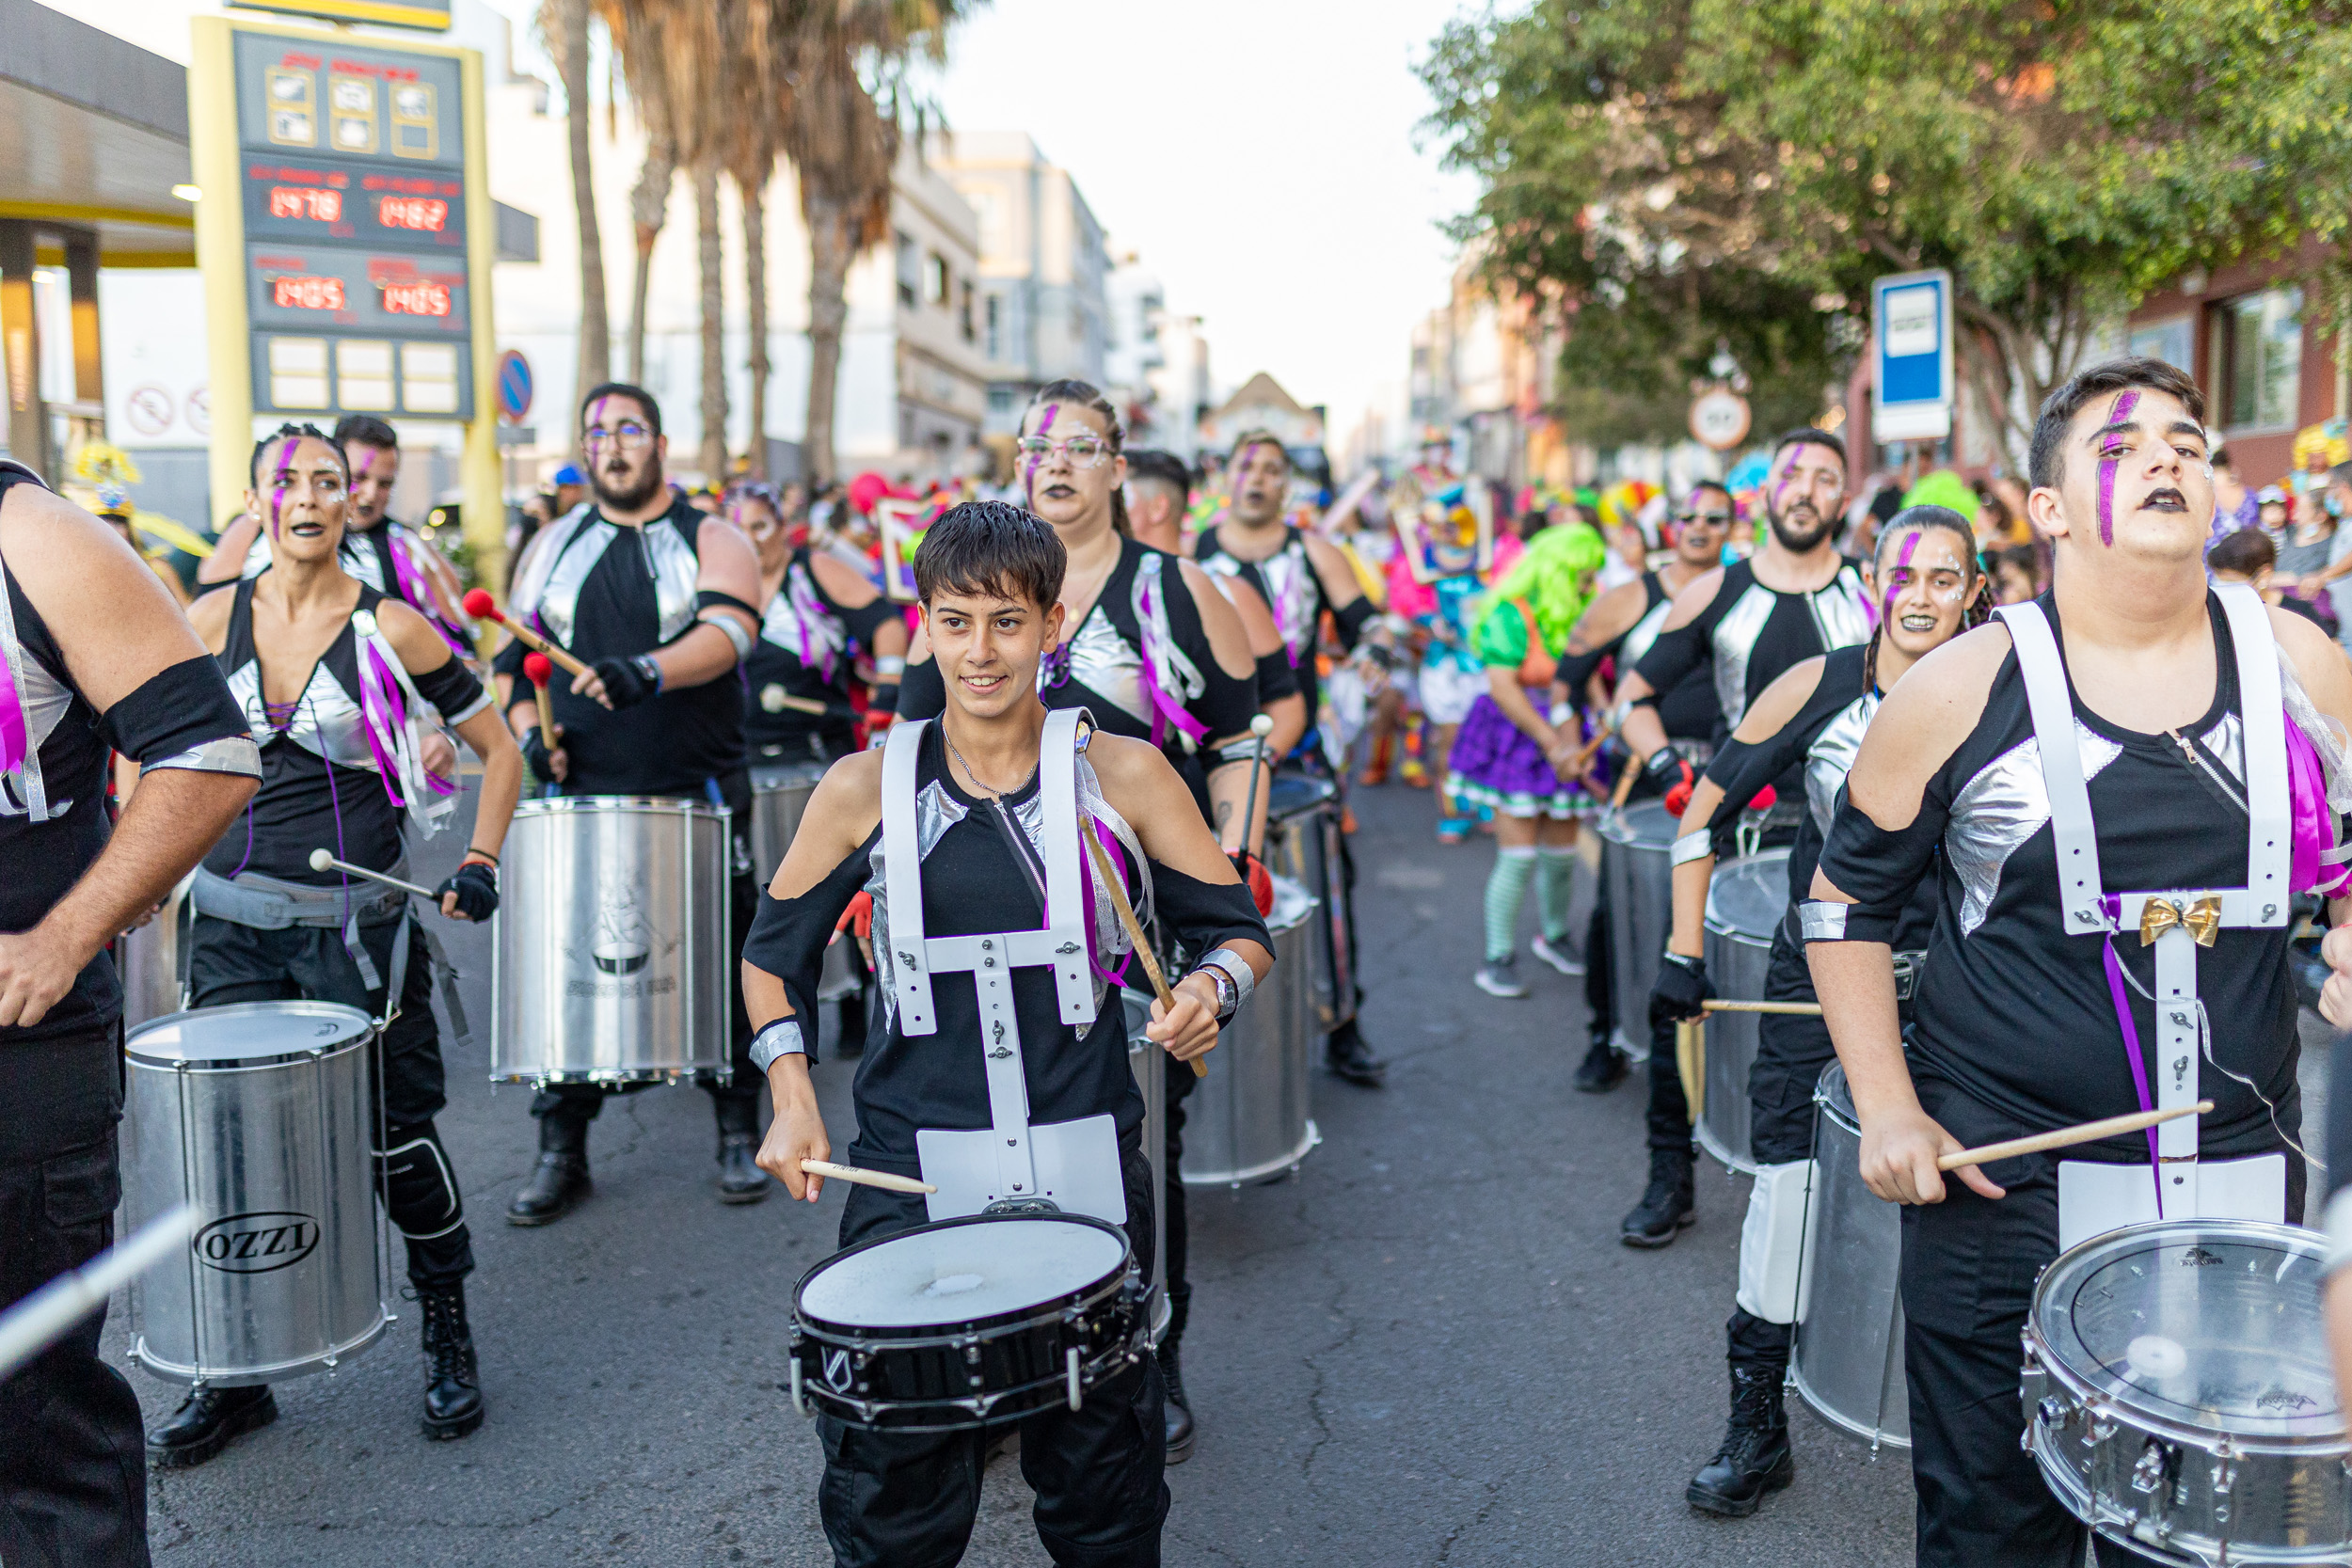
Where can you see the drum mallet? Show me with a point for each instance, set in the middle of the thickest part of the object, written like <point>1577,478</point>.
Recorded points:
<point>539,671</point>
<point>862,1177</point>
<point>1262,726</point>
<point>2066,1137</point>
<point>483,608</point>
<point>321,861</point>
<point>1134,928</point>
<point>1796,1010</point>
<point>34,1323</point>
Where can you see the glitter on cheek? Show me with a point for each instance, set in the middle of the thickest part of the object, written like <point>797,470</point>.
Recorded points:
<point>2112,452</point>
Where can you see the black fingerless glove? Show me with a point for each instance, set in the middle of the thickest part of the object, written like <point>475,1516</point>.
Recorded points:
<point>477,888</point>
<point>534,749</point>
<point>629,681</point>
<point>1664,767</point>
<point>1676,995</point>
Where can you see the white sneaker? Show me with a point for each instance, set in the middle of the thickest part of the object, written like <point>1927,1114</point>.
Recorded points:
<point>1566,963</point>
<point>1502,978</point>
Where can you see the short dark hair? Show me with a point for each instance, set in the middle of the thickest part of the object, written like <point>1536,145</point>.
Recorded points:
<point>367,430</point>
<point>292,432</point>
<point>1811,436</point>
<point>2247,551</point>
<point>1260,437</point>
<point>1150,466</point>
<point>1690,497</point>
<point>643,399</point>
<point>2044,463</point>
<point>990,547</point>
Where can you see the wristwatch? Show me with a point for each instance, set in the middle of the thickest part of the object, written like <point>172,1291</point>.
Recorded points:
<point>1228,993</point>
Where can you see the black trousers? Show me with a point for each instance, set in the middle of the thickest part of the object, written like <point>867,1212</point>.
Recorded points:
<point>73,1457</point>
<point>229,963</point>
<point>1601,967</point>
<point>1968,1272</point>
<point>897,1500</point>
<point>1790,1053</point>
<point>1180,1086</point>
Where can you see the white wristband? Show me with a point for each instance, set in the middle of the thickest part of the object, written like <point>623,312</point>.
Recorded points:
<point>780,1039</point>
<point>1230,964</point>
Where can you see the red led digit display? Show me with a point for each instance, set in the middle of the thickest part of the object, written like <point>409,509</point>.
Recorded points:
<point>296,201</point>
<point>308,294</point>
<point>420,212</point>
<point>416,299</point>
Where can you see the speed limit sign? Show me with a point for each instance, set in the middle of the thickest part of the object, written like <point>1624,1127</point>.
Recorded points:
<point>1719,418</point>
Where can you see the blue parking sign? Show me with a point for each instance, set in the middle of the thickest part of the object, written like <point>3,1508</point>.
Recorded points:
<point>1910,323</point>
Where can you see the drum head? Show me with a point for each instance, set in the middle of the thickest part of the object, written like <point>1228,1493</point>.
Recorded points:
<point>1293,903</point>
<point>248,1034</point>
<point>1834,1097</point>
<point>2210,1323</point>
<point>1748,897</point>
<point>963,1272</point>
<point>1289,795</point>
<point>1643,824</point>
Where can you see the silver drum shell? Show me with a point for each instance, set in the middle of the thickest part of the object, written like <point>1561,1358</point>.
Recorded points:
<point>1746,901</point>
<point>1302,842</point>
<point>268,1149</point>
<point>1847,1364</point>
<point>148,959</point>
<point>1636,844</point>
<point>779,795</point>
<point>614,931</point>
<point>2187,1494</point>
<point>1247,1119</point>
<point>1148,1063</point>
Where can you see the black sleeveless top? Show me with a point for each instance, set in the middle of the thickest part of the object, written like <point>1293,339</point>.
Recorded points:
<point>1303,640</point>
<point>1688,709</point>
<point>775,668</point>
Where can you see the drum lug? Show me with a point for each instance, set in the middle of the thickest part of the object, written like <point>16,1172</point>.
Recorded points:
<point>2100,1427</point>
<point>1069,1363</point>
<point>2155,1470</point>
<point>800,1401</point>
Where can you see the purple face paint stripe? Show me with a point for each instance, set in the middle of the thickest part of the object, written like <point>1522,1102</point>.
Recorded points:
<point>1044,427</point>
<point>2109,450</point>
<point>1901,574</point>
<point>281,483</point>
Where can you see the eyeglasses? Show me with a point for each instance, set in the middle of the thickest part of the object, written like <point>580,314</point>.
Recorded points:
<point>629,435</point>
<point>1079,451</point>
<point>1705,519</point>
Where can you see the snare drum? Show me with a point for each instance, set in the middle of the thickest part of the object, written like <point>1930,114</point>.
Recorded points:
<point>1148,1060</point>
<point>148,959</point>
<point>1848,1363</point>
<point>967,1322</point>
<point>613,932</point>
<point>2178,1394</point>
<point>1248,1118</point>
<point>1636,844</point>
<point>1745,902</point>
<point>1302,843</point>
<point>257,1115</point>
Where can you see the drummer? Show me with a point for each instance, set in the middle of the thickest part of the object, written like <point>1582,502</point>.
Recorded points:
<point>990,581</point>
<point>1744,624</point>
<point>1170,667</point>
<point>816,609</point>
<point>94,656</point>
<point>1621,625</point>
<point>2033,1012</point>
<point>1927,587</point>
<point>661,598</point>
<point>331,676</point>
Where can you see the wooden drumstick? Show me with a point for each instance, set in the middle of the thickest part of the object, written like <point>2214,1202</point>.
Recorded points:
<point>1799,1010</point>
<point>857,1177</point>
<point>483,608</point>
<point>321,861</point>
<point>1259,727</point>
<point>539,672</point>
<point>2065,1137</point>
<point>1134,929</point>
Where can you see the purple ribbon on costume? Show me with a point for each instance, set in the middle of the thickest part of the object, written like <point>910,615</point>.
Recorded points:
<point>1165,711</point>
<point>416,588</point>
<point>815,653</point>
<point>15,734</point>
<point>2312,821</point>
<point>1109,841</point>
<point>383,714</point>
<point>2114,909</point>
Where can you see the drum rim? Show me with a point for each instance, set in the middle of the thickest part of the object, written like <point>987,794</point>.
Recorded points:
<point>1846,1118</point>
<point>665,805</point>
<point>1327,794</point>
<point>1091,1370</point>
<point>247,1009</point>
<point>769,778</point>
<point>960,1330</point>
<point>1613,830</point>
<point>1778,855</point>
<point>1306,911</point>
<point>2124,1406</point>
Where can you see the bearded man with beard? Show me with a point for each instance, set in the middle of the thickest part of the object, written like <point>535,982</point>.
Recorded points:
<point>658,598</point>
<point>1747,623</point>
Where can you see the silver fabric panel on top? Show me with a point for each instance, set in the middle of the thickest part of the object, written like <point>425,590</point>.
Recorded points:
<point>44,699</point>
<point>677,573</point>
<point>1111,669</point>
<point>550,585</point>
<point>327,721</point>
<point>1830,758</point>
<point>234,753</point>
<point>1644,632</point>
<point>1839,612</point>
<point>2004,805</point>
<point>2227,741</point>
<point>1735,639</point>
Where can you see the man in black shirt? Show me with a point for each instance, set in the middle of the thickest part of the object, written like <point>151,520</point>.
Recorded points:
<point>662,599</point>
<point>94,654</point>
<point>2130,731</point>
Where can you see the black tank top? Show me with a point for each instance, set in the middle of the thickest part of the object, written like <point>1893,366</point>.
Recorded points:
<point>1297,602</point>
<point>776,668</point>
<point>306,802</point>
<point>1688,709</point>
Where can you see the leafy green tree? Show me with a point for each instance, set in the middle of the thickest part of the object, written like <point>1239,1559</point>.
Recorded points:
<point>2060,157</point>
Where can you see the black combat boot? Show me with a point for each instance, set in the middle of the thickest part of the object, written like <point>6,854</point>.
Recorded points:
<point>1175,1408</point>
<point>206,1423</point>
<point>560,1180</point>
<point>741,1180</point>
<point>1345,1054</point>
<point>452,1387</point>
<point>1603,1068</point>
<point>1754,1458</point>
<point>1666,1206</point>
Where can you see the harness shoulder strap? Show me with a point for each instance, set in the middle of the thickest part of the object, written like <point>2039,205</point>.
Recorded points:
<point>2262,716</point>
<point>902,878</point>
<point>1067,885</point>
<point>2070,826</point>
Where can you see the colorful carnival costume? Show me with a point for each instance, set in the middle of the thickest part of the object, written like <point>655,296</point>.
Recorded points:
<point>1525,625</point>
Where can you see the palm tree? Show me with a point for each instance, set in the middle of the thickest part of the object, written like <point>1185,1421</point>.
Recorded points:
<point>563,24</point>
<point>713,261</point>
<point>648,205</point>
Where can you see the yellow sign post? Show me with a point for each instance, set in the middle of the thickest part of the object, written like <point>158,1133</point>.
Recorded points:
<point>346,232</point>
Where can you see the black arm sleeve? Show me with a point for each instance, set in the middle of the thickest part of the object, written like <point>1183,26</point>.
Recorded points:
<point>450,688</point>
<point>1352,620</point>
<point>1577,669</point>
<point>178,713</point>
<point>922,692</point>
<point>1276,678</point>
<point>1208,914</point>
<point>706,597</point>
<point>1743,769</point>
<point>1675,655</point>
<point>1226,705</point>
<point>508,661</point>
<point>1881,870</point>
<point>867,619</point>
<point>789,935</point>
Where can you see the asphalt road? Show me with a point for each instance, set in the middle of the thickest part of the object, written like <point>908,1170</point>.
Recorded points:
<point>1427,1347</point>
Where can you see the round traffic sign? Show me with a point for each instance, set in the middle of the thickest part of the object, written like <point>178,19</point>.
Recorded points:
<point>514,385</point>
<point>1719,417</point>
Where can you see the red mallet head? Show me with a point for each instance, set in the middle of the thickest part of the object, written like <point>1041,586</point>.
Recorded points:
<point>537,668</point>
<point>481,606</point>
<point>1766,798</point>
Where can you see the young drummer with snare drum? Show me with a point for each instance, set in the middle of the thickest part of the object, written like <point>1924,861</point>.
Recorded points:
<point>952,815</point>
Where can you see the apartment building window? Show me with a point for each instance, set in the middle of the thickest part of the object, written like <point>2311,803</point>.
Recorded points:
<point>909,264</point>
<point>995,333</point>
<point>2262,349</point>
<point>935,280</point>
<point>2173,339</point>
<point>969,334</point>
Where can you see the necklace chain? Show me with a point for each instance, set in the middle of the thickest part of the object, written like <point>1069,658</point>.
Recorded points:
<point>974,774</point>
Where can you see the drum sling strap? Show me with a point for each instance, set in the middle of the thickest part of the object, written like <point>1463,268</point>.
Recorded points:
<point>268,904</point>
<point>1073,1166</point>
<point>2095,1197</point>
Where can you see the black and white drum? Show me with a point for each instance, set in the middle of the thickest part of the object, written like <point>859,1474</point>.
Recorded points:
<point>1636,844</point>
<point>257,1114</point>
<point>1248,1120</point>
<point>1745,902</point>
<point>1148,1061</point>
<point>1847,1364</point>
<point>779,794</point>
<point>1302,842</point>
<point>967,1322</point>
<point>613,941</point>
<point>2178,1394</point>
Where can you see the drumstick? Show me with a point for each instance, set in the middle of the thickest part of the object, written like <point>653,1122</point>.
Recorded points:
<point>321,861</point>
<point>483,608</point>
<point>1625,785</point>
<point>1799,1009</point>
<point>1261,726</point>
<point>2065,1137</point>
<point>802,705</point>
<point>1135,930</point>
<point>853,1174</point>
<point>539,672</point>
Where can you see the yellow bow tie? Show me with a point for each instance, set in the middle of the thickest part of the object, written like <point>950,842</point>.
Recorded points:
<point>2200,920</point>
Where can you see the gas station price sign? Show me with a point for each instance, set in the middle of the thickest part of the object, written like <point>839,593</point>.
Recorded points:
<point>323,199</point>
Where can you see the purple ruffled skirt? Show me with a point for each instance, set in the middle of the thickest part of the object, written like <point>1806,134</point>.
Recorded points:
<point>1495,765</point>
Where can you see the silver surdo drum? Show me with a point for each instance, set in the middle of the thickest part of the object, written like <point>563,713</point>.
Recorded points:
<point>1746,903</point>
<point>1247,1119</point>
<point>779,795</point>
<point>1847,1364</point>
<point>257,1114</point>
<point>1302,842</point>
<point>1635,843</point>
<point>2178,1394</point>
<point>148,959</point>
<point>613,941</point>
<point>1148,1061</point>
<point>967,1322</point>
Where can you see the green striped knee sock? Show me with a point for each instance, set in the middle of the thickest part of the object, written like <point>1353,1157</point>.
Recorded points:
<point>1555,886</point>
<point>1507,890</point>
